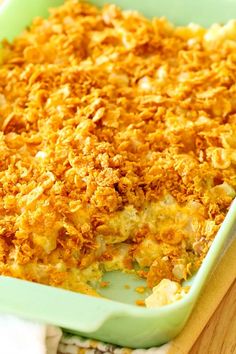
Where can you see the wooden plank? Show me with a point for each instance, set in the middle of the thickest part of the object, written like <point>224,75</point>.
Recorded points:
<point>215,290</point>
<point>219,335</point>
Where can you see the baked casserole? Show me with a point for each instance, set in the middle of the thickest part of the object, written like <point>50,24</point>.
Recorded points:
<point>117,145</point>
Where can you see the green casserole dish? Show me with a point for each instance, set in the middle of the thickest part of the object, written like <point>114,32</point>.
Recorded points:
<point>113,321</point>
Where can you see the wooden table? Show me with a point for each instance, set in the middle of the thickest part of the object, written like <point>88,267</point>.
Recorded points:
<point>219,335</point>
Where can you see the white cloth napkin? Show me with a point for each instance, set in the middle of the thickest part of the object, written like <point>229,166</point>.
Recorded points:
<point>18,336</point>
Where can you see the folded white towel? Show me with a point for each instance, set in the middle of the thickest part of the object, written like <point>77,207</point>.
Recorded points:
<point>18,336</point>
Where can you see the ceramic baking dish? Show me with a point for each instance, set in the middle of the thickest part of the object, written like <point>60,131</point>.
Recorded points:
<point>115,321</point>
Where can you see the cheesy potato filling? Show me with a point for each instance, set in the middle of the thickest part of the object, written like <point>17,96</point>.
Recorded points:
<point>117,147</point>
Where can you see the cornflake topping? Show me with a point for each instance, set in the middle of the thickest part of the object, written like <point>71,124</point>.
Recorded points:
<point>117,145</point>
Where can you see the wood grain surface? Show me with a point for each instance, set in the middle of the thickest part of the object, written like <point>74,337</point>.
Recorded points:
<point>219,335</point>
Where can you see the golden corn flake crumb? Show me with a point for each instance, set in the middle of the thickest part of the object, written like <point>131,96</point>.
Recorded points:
<point>127,286</point>
<point>104,284</point>
<point>140,303</point>
<point>117,146</point>
<point>140,289</point>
